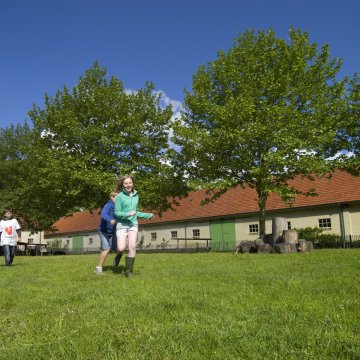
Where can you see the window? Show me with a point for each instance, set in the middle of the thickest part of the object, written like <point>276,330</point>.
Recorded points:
<point>91,241</point>
<point>153,236</point>
<point>174,234</point>
<point>30,241</point>
<point>289,225</point>
<point>67,242</point>
<point>254,228</point>
<point>196,233</point>
<point>325,223</point>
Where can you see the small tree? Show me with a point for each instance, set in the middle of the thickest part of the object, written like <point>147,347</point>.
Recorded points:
<point>164,244</point>
<point>259,115</point>
<point>141,243</point>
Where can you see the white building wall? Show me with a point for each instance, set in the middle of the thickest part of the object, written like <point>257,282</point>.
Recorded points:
<point>310,218</point>
<point>29,238</point>
<point>300,218</point>
<point>354,216</point>
<point>184,230</point>
<point>91,241</point>
<point>347,220</point>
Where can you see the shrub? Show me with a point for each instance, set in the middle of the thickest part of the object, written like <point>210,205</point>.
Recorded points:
<point>309,233</point>
<point>320,240</point>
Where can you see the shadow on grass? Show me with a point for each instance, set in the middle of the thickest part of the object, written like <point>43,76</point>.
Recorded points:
<point>12,265</point>
<point>116,270</point>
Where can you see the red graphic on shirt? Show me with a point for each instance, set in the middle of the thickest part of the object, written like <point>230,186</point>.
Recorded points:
<point>9,230</point>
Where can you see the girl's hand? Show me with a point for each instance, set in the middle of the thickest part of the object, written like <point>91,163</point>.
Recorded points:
<point>132,213</point>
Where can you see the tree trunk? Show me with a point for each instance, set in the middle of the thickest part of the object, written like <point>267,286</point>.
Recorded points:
<point>262,198</point>
<point>291,236</point>
<point>279,224</point>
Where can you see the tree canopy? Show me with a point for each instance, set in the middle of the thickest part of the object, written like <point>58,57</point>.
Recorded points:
<point>82,141</point>
<point>351,160</point>
<point>260,114</point>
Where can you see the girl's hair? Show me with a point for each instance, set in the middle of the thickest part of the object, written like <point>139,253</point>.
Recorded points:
<point>121,181</point>
<point>6,210</point>
<point>112,194</point>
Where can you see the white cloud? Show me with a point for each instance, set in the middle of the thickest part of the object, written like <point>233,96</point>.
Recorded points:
<point>166,101</point>
<point>341,153</point>
<point>130,91</point>
<point>177,107</point>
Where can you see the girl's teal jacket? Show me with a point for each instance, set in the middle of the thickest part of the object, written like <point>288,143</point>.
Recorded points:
<point>124,203</point>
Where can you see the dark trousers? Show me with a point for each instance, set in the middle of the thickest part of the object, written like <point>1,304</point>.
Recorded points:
<point>9,253</point>
<point>114,243</point>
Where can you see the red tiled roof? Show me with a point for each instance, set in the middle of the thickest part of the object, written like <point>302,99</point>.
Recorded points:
<point>340,188</point>
<point>80,221</point>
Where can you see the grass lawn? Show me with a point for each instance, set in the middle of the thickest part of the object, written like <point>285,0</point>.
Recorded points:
<point>183,306</point>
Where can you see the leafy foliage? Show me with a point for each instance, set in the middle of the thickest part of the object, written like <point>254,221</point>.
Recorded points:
<point>327,240</point>
<point>309,233</point>
<point>81,142</point>
<point>21,186</point>
<point>262,113</point>
<point>350,136</point>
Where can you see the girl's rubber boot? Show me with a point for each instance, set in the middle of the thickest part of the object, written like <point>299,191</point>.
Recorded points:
<point>129,265</point>
<point>117,259</point>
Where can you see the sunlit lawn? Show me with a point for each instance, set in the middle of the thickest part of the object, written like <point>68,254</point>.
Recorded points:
<point>183,306</point>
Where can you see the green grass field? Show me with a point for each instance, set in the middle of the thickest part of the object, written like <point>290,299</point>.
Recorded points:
<point>183,306</point>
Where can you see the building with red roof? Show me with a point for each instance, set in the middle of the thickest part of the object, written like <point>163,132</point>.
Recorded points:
<point>231,218</point>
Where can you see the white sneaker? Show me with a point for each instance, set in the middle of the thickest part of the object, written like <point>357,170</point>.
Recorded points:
<point>98,270</point>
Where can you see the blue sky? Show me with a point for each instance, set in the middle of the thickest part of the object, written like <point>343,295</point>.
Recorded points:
<point>46,44</point>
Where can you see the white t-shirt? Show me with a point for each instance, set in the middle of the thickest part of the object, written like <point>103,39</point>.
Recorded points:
<point>8,232</point>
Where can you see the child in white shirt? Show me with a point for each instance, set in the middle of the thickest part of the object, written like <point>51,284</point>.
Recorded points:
<point>10,234</point>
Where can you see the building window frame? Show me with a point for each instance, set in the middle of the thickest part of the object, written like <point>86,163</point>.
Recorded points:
<point>253,228</point>
<point>325,223</point>
<point>173,234</point>
<point>196,233</point>
<point>153,236</point>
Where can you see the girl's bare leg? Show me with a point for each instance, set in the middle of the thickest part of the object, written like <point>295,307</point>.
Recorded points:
<point>121,242</point>
<point>132,237</point>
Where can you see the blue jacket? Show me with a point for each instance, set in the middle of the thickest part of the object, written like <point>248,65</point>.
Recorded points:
<point>107,214</point>
<point>124,203</point>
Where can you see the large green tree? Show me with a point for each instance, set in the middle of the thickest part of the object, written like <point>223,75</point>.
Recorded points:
<point>260,114</point>
<point>21,186</point>
<point>83,140</point>
<point>13,152</point>
<point>350,161</point>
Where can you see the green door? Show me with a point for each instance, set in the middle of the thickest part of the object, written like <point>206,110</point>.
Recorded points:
<point>223,235</point>
<point>77,243</point>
